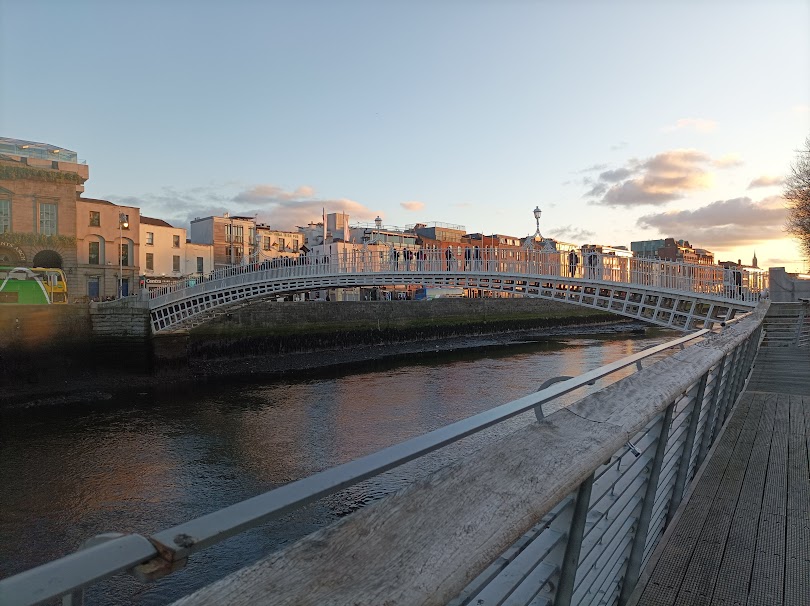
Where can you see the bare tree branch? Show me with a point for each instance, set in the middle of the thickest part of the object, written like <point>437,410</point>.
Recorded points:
<point>797,194</point>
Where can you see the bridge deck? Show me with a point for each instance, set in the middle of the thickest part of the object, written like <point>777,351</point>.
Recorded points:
<point>743,535</point>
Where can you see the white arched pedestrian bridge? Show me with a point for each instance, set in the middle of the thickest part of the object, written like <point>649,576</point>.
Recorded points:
<point>673,295</point>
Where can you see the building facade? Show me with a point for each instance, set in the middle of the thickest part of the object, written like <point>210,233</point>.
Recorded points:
<point>39,184</point>
<point>670,249</point>
<point>107,250</point>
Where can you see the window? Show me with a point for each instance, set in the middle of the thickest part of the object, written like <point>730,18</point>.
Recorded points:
<point>124,219</point>
<point>281,243</point>
<point>95,218</point>
<point>234,233</point>
<point>93,253</point>
<point>176,263</point>
<point>295,245</point>
<point>5,215</point>
<point>199,265</point>
<point>47,219</point>
<point>125,254</point>
<point>234,254</point>
<point>150,238</point>
<point>150,261</point>
<point>265,243</point>
<point>175,241</point>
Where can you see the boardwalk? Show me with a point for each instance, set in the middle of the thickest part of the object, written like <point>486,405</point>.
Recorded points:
<point>743,535</point>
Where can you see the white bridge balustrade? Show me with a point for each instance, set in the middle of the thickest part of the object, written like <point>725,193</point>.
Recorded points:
<point>674,295</point>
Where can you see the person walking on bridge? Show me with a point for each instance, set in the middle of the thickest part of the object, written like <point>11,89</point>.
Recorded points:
<point>573,261</point>
<point>448,254</point>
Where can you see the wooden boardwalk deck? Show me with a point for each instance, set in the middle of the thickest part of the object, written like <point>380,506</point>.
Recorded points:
<point>743,535</point>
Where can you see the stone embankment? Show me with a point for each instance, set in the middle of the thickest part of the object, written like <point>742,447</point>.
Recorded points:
<point>57,354</point>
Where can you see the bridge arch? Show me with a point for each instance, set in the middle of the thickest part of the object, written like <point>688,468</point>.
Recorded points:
<point>670,297</point>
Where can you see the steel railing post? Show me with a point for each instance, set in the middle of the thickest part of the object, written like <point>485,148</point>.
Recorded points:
<point>568,572</point>
<point>643,523</point>
<point>688,447</point>
<point>711,412</point>
<point>730,394</point>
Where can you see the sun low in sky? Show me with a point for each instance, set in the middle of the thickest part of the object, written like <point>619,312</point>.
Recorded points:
<point>622,121</point>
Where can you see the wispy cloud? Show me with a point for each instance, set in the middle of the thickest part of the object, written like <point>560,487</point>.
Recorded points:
<point>765,181</point>
<point>728,161</point>
<point>269,203</point>
<point>724,223</point>
<point>412,206</point>
<point>697,124</point>
<point>574,234</point>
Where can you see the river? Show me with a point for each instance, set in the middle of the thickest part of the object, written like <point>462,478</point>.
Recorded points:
<point>147,461</point>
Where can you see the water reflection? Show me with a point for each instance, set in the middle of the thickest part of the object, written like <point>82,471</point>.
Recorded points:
<point>147,462</point>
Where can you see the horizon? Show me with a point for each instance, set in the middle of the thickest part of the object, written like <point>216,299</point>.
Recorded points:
<point>623,123</point>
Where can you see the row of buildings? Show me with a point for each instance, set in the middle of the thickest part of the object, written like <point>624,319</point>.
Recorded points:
<point>108,250</point>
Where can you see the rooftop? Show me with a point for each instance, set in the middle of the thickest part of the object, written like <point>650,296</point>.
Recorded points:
<point>32,149</point>
<point>158,222</point>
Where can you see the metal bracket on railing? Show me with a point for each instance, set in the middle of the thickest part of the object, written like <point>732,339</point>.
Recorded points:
<point>632,448</point>
<point>538,410</point>
<point>158,567</point>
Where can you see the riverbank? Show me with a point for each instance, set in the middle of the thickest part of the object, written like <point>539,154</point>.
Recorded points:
<point>99,385</point>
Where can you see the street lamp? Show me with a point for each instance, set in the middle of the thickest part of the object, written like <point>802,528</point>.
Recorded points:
<point>122,223</point>
<point>537,213</point>
<point>530,240</point>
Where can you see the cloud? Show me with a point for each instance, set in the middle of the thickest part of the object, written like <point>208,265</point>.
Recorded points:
<point>592,169</point>
<point>728,161</point>
<point>269,203</point>
<point>724,223</point>
<point>412,206</point>
<point>571,233</point>
<point>619,145</point>
<point>665,177</point>
<point>765,181</point>
<point>613,176</point>
<point>697,124</point>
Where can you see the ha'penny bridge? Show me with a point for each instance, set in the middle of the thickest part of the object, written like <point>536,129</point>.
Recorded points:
<point>673,295</point>
<point>684,482</point>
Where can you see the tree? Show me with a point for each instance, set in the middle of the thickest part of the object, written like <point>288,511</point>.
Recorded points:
<point>797,194</point>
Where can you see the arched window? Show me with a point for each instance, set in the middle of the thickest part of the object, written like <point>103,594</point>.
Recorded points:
<point>48,258</point>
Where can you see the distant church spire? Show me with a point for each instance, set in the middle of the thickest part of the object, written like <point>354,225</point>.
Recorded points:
<point>755,263</point>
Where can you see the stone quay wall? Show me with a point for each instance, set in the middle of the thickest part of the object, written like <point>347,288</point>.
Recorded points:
<point>48,348</point>
<point>284,327</point>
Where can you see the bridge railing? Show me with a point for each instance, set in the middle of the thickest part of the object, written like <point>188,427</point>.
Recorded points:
<point>710,280</point>
<point>573,503</point>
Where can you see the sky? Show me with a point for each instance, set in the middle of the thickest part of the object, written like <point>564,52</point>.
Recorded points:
<point>622,121</point>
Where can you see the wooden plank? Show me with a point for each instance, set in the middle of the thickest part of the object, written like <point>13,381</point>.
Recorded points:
<point>704,567</point>
<point>670,570</point>
<point>738,554</point>
<point>797,547</point>
<point>767,575</point>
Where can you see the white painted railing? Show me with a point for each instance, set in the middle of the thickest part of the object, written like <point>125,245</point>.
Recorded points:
<point>732,285</point>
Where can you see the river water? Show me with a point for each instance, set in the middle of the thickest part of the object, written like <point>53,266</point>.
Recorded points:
<point>147,461</point>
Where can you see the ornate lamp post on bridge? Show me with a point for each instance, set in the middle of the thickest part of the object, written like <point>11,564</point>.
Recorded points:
<point>529,244</point>
<point>122,223</point>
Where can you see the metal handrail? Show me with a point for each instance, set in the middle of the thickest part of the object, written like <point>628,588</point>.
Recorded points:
<point>167,550</point>
<point>709,280</point>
